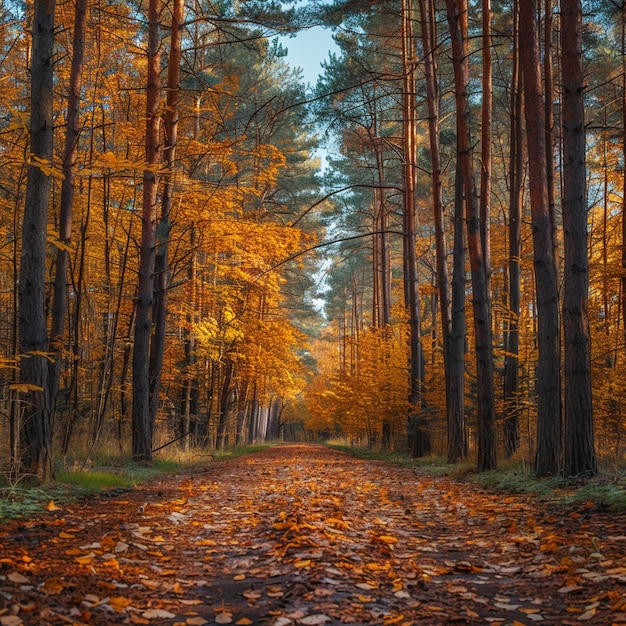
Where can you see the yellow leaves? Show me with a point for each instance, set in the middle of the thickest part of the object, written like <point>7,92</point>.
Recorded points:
<point>364,401</point>
<point>337,523</point>
<point>110,161</point>
<point>45,166</point>
<point>51,506</point>
<point>551,543</point>
<point>25,387</point>
<point>387,539</point>
<point>119,603</point>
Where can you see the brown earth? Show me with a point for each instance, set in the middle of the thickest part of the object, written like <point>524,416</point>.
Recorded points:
<point>306,535</point>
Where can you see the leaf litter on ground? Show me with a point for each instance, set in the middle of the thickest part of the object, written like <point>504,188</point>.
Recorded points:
<point>301,534</point>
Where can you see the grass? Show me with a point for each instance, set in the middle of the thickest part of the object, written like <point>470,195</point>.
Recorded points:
<point>95,481</point>
<point>432,465</point>
<point>233,453</point>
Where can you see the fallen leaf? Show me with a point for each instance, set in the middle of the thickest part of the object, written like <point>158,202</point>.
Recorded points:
<point>312,620</point>
<point>51,506</point>
<point>119,603</point>
<point>157,614</point>
<point>53,586</point>
<point>587,615</point>
<point>223,618</point>
<point>84,560</point>
<point>388,539</point>
<point>17,578</point>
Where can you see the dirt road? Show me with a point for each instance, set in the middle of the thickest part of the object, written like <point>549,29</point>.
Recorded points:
<point>306,535</point>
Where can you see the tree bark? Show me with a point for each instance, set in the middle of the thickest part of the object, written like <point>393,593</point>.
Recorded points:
<point>455,417</point>
<point>487,458</point>
<point>623,242</point>
<point>549,427</point>
<point>516,165</point>
<point>579,453</point>
<point>485,141</point>
<point>72,134</point>
<point>161,268</point>
<point>142,424</point>
<point>418,433</point>
<point>36,422</point>
<point>457,430</point>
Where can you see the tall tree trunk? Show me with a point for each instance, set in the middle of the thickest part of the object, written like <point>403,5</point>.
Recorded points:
<point>485,141</point>
<point>579,452</point>
<point>549,428</point>
<point>142,424</point>
<point>36,424</point>
<point>487,457</point>
<point>457,431</point>
<point>384,267</point>
<point>161,267</point>
<point>457,441</point>
<point>72,134</point>
<point>419,435</point>
<point>548,78</point>
<point>623,242</point>
<point>516,165</point>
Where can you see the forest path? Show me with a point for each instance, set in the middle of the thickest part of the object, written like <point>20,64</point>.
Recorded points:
<point>302,534</point>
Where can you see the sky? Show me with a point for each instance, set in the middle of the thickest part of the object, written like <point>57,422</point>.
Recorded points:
<point>308,49</point>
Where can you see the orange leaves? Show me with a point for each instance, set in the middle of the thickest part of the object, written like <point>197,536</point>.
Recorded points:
<point>53,586</point>
<point>304,536</point>
<point>119,603</point>
<point>386,539</point>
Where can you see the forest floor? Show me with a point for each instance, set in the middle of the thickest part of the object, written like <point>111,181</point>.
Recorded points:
<point>303,534</point>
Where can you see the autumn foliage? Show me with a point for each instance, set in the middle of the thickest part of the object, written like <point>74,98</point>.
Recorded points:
<point>223,284</point>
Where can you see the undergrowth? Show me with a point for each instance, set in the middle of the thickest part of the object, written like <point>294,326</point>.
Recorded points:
<point>606,491</point>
